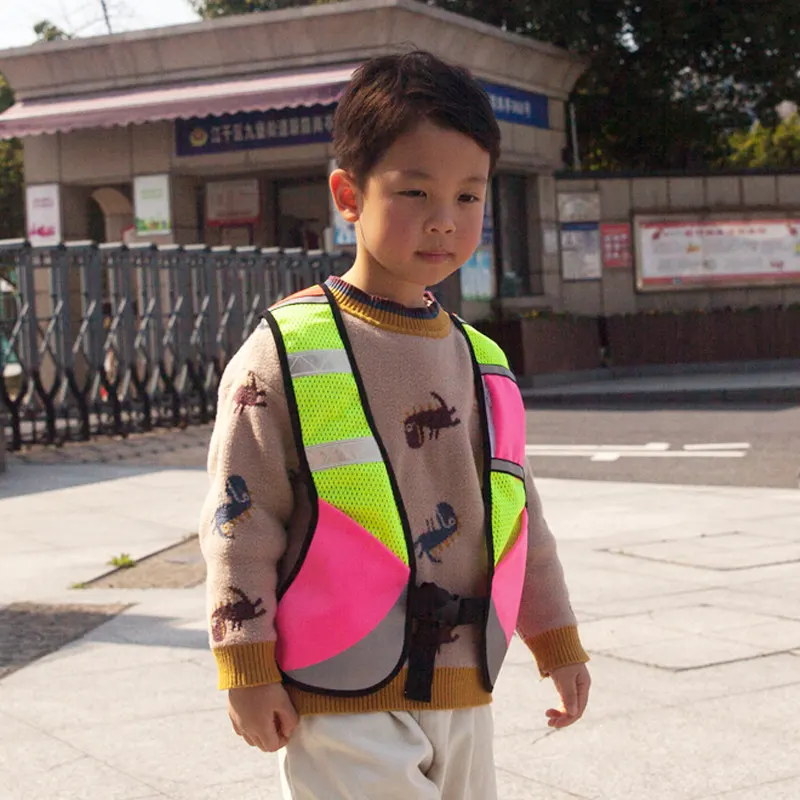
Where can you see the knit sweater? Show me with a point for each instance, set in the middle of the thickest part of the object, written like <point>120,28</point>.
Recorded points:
<point>257,512</point>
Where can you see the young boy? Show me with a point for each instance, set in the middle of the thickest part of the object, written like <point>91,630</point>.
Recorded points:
<point>370,550</point>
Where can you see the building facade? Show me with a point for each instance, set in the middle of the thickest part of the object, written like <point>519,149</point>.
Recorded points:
<point>220,132</point>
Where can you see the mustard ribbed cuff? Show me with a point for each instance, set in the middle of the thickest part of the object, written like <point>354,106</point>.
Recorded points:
<point>247,665</point>
<point>557,648</point>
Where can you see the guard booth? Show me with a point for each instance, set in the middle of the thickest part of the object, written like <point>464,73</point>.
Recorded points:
<point>220,133</point>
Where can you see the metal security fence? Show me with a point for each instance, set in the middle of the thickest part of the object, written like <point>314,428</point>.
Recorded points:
<point>114,339</point>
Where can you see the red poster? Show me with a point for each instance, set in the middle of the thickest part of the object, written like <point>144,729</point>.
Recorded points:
<point>616,244</point>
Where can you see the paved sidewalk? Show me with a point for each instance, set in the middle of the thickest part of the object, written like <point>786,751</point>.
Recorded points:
<point>751,386</point>
<point>688,598</point>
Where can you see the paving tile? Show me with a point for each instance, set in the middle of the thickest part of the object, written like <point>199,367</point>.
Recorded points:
<point>638,629</point>
<point>98,699</point>
<point>26,750</point>
<point>697,552</point>
<point>597,586</point>
<point>193,751</point>
<point>774,636</point>
<point>76,779</point>
<point>706,619</point>
<point>511,786</point>
<point>774,790</point>
<point>663,754</point>
<point>690,652</point>
<point>735,599</point>
<point>776,708</point>
<point>259,789</point>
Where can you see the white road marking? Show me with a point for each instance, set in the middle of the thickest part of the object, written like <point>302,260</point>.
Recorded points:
<point>719,446</point>
<point>610,452</point>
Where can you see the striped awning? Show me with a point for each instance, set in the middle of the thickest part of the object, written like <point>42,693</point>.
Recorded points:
<point>175,101</point>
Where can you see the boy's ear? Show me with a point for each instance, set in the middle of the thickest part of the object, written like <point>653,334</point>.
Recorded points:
<point>345,194</point>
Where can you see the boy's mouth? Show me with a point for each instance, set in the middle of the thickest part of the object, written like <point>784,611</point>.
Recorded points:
<point>435,256</point>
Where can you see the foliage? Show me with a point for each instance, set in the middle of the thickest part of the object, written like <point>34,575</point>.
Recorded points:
<point>122,561</point>
<point>46,31</point>
<point>668,81</point>
<point>209,9</point>
<point>12,218</point>
<point>767,147</point>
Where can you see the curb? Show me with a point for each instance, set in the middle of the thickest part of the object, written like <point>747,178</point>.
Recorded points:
<point>778,395</point>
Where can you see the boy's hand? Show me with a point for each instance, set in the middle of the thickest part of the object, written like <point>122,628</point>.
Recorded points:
<point>262,715</point>
<point>572,683</point>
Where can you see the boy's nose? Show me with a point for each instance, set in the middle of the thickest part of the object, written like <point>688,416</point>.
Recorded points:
<point>441,223</point>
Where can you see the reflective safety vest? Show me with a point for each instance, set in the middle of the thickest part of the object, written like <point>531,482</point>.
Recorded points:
<point>345,630</point>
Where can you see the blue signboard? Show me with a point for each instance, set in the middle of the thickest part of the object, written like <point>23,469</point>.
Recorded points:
<point>518,106</point>
<point>249,130</point>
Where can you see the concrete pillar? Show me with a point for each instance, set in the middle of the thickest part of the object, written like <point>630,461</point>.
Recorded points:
<point>542,241</point>
<point>185,219</point>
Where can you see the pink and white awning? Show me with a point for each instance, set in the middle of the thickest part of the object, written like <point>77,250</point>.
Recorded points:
<point>176,101</point>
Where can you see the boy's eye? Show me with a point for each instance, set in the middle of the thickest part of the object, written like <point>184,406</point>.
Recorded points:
<point>469,198</point>
<point>413,193</point>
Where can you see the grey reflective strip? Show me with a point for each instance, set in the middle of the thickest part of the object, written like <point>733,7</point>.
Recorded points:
<point>500,465</point>
<point>365,664</point>
<point>496,369</point>
<point>341,454</point>
<point>318,362</point>
<point>489,419</point>
<point>298,301</point>
<point>496,644</point>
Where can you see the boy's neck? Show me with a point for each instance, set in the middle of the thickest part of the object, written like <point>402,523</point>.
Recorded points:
<point>369,276</point>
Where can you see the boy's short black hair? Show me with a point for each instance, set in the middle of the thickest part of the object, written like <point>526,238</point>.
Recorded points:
<point>390,94</point>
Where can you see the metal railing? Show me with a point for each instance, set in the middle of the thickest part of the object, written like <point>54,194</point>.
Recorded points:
<point>115,339</point>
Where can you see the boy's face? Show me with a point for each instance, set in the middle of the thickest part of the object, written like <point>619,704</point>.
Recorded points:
<point>420,213</point>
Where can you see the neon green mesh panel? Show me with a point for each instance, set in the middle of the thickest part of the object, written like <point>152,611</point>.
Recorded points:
<point>334,409</point>
<point>363,492</point>
<point>508,502</point>
<point>486,351</point>
<point>330,410</point>
<point>308,327</point>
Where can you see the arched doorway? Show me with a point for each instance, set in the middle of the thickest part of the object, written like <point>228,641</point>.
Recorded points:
<point>117,212</point>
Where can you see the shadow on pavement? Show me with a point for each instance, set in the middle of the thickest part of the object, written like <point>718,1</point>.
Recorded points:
<point>30,631</point>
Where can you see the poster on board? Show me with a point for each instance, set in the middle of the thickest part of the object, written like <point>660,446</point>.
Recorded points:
<point>43,214</point>
<point>550,239</point>
<point>580,251</point>
<point>675,253</point>
<point>233,202</point>
<point>578,207</point>
<point>151,204</point>
<point>616,245</point>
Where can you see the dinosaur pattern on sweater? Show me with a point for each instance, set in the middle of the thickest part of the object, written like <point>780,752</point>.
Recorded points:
<point>229,514</point>
<point>236,613</point>
<point>430,420</point>
<point>439,533</point>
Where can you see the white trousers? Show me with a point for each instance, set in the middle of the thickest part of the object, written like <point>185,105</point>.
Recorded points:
<point>391,755</point>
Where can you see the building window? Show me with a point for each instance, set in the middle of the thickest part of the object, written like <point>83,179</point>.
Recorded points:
<point>515,277</point>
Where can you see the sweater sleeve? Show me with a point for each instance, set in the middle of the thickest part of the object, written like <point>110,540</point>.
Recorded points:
<point>245,516</point>
<point>546,622</point>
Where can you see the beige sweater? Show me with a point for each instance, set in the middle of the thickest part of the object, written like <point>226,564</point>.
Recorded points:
<point>257,511</point>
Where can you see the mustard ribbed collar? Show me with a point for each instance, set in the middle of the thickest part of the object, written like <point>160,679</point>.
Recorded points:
<point>431,321</point>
